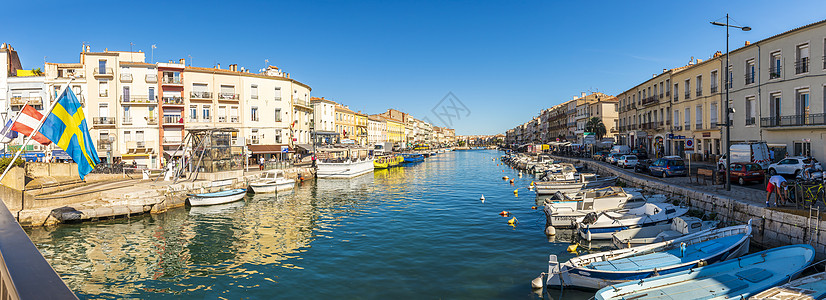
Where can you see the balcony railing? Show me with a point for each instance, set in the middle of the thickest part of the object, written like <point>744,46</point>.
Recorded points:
<point>676,97</point>
<point>104,145</point>
<point>103,120</point>
<point>749,78</point>
<point>104,94</point>
<point>126,77</point>
<point>172,140</point>
<point>698,126</point>
<point>750,121</point>
<point>201,95</point>
<point>277,98</point>
<point>801,120</point>
<point>699,92</point>
<point>173,119</point>
<point>233,119</point>
<point>152,78</point>
<point>127,120</point>
<point>105,71</point>
<point>801,65</point>
<point>774,72</point>
<point>713,88</point>
<point>678,128</point>
<point>687,95</point>
<point>253,141</point>
<point>650,100</point>
<point>19,101</point>
<point>151,120</point>
<point>222,119</point>
<point>661,96</point>
<point>139,99</point>
<point>171,80</point>
<point>173,100</point>
<point>668,93</point>
<point>228,96</point>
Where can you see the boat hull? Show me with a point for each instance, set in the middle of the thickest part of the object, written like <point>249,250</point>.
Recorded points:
<point>263,188</point>
<point>347,169</point>
<point>216,198</point>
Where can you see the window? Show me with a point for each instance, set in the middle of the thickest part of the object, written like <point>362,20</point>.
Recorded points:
<point>676,90</point>
<point>750,111</point>
<point>254,91</point>
<point>201,91</point>
<point>277,93</point>
<point>103,110</point>
<point>104,88</point>
<point>699,85</point>
<point>687,117</point>
<point>774,66</point>
<point>193,113</point>
<point>802,107</point>
<point>687,88</point>
<point>676,117</point>
<point>151,94</point>
<point>774,110</point>
<point>254,113</point>
<point>206,112</point>
<point>698,113</point>
<point>713,81</point>
<point>712,114</point>
<point>667,87</point>
<point>127,116</point>
<point>801,65</point>
<point>102,66</point>
<point>228,93</point>
<point>127,136</point>
<point>233,114</point>
<point>278,115</point>
<point>661,89</point>
<point>730,77</point>
<point>750,71</point>
<point>654,95</point>
<point>126,94</point>
<point>222,113</point>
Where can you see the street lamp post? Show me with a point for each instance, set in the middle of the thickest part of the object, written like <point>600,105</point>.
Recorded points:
<point>727,109</point>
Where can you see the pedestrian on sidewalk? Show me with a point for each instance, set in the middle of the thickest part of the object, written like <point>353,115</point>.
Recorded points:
<point>261,162</point>
<point>779,185</point>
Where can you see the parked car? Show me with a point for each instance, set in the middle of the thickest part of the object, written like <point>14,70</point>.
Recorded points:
<point>790,165</point>
<point>621,149</point>
<point>746,172</point>
<point>640,153</point>
<point>600,156</point>
<point>668,166</point>
<point>642,166</point>
<point>626,161</point>
<point>612,158</point>
<point>757,153</point>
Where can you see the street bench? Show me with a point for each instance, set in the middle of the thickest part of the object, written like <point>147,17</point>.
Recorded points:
<point>706,175</point>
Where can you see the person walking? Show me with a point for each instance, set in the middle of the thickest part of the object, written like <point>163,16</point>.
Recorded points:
<point>777,184</point>
<point>261,162</point>
<point>771,155</point>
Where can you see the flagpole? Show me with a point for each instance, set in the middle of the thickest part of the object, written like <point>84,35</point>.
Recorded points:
<point>36,130</point>
<point>17,116</point>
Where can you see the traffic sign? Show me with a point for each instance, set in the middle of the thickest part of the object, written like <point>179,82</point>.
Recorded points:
<point>689,144</point>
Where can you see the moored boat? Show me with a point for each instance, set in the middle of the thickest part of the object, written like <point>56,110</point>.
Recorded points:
<point>216,197</point>
<point>658,233</point>
<point>805,288</point>
<point>732,279</point>
<point>582,182</point>
<point>412,158</point>
<point>563,209</point>
<point>272,181</point>
<point>343,162</point>
<point>601,226</point>
<point>598,270</point>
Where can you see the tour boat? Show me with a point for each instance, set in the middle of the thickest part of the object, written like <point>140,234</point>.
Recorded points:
<point>343,162</point>
<point>216,197</point>
<point>563,209</point>
<point>272,181</point>
<point>601,226</point>
<point>381,163</point>
<point>805,288</point>
<point>732,279</point>
<point>598,270</point>
<point>658,233</point>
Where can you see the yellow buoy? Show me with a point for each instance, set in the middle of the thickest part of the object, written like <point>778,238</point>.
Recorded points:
<point>513,221</point>
<point>572,248</point>
<point>516,192</point>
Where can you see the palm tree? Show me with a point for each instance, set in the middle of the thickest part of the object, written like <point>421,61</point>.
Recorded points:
<point>596,126</point>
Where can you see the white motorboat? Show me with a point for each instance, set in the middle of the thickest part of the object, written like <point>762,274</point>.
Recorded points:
<point>563,209</point>
<point>654,234</point>
<point>601,226</point>
<point>582,182</point>
<point>272,181</point>
<point>343,162</point>
<point>216,197</point>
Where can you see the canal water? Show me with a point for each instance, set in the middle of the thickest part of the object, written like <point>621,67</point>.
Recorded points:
<point>417,232</point>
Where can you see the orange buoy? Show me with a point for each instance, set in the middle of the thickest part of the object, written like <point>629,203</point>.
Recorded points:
<point>504,213</point>
<point>533,207</point>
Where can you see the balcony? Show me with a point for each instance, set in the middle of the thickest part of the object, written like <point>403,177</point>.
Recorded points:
<point>140,146</point>
<point>302,103</point>
<point>228,96</point>
<point>750,121</point>
<point>126,77</point>
<point>222,119</point>
<point>750,78</point>
<point>713,88</point>
<point>661,96</point>
<point>171,81</point>
<point>649,101</point>
<point>105,72</point>
<point>800,120</point>
<point>151,78</point>
<point>173,100</point>
<point>103,121</point>
<point>172,140</point>
<point>774,72</point>
<point>139,99</point>
<point>173,120</point>
<point>801,65</point>
<point>20,101</point>
<point>126,121</point>
<point>104,145</point>
<point>151,120</point>
<point>234,119</point>
<point>253,140</point>
<point>201,95</point>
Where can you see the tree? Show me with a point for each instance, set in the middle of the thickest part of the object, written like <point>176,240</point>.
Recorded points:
<point>37,72</point>
<point>596,126</point>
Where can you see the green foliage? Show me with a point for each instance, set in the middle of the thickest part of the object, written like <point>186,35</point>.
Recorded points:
<point>4,162</point>
<point>596,126</point>
<point>37,72</point>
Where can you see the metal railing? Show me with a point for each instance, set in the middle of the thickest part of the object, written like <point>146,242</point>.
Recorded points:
<point>151,120</point>
<point>152,78</point>
<point>650,100</point>
<point>676,97</point>
<point>678,128</point>
<point>774,72</point>
<point>798,120</point>
<point>801,65</point>
<point>34,100</point>
<point>750,121</point>
<point>103,120</point>
<point>699,92</point>
<point>127,120</point>
<point>222,119</point>
<point>173,119</point>
<point>233,119</point>
<point>713,88</point>
<point>698,126</point>
<point>687,95</point>
<point>173,100</point>
<point>749,78</point>
<point>106,71</point>
<point>201,95</point>
<point>228,96</point>
<point>137,99</point>
<point>126,77</point>
<point>171,80</point>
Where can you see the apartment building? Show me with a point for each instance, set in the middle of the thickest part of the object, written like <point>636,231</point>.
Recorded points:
<point>376,130</point>
<point>324,118</point>
<point>696,107</point>
<point>360,121</point>
<point>606,109</point>
<point>345,123</point>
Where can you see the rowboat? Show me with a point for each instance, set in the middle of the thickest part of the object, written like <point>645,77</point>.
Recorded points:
<point>654,234</point>
<point>601,226</point>
<point>806,288</point>
<point>732,279</point>
<point>272,181</point>
<point>216,197</point>
<point>597,270</point>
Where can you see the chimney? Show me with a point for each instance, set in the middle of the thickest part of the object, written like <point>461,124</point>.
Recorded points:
<point>748,43</point>
<point>219,66</point>
<point>583,94</point>
<point>183,61</point>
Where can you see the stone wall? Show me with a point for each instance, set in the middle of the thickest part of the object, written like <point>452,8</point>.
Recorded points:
<point>772,227</point>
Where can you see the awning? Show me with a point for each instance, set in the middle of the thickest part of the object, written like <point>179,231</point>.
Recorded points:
<point>306,147</point>
<point>267,149</point>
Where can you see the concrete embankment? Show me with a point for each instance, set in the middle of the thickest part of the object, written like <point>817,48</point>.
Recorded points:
<point>772,226</point>
<point>118,196</point>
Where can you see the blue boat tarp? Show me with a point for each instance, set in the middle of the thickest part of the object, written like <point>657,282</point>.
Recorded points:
<point>221,193</point>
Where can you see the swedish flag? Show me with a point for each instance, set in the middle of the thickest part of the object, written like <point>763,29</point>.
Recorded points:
<point>66,127</point>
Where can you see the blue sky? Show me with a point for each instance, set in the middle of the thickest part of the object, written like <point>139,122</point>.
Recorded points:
<point>503,60</point>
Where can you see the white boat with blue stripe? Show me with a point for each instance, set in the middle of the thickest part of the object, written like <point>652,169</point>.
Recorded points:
<point>601,226</point>
<point>598,270</point>
<point>216,197</point>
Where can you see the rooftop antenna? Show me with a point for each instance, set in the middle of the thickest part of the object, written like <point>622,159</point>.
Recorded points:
<point>153,53</point>
<point>130,50</point>
<point>190,60</point>
<point>266,62</point>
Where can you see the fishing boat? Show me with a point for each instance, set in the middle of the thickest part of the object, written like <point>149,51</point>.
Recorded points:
<point>732,279</point>
<point>221,197</point>
<point>343,162</point>
<point>806,288</point>
<point>583,182</point>
<point>562,209</point>
<point>601,226</point>
<point>658,233</point>
<point>412,158</point>
<point>272,181</point>
<point>598,270</point>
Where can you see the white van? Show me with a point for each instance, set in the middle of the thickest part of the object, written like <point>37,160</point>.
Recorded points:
<point>621,149</point>
<point>756,152</point>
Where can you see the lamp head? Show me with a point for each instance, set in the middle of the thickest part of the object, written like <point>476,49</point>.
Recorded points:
<point>746,28</point>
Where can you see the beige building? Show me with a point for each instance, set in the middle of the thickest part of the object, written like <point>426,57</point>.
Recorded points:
<point>345,123</point>
<point>376,130</point>
<point>324,118</point>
